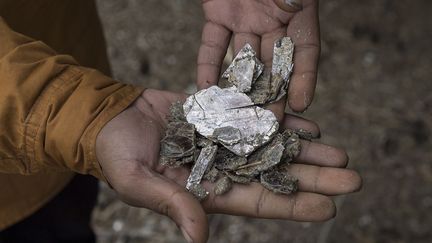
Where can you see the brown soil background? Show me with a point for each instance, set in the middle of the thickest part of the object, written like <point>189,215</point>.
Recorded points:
<point>374,98</point>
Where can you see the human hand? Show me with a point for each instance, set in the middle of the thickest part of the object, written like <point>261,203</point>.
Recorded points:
<point>260,23</point>
<point>128,151</point>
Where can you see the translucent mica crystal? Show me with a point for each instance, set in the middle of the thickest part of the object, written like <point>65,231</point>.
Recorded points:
<point>282,67</point>
<point>244,69</point>
<point>272,85</point>
<point>178,145</point>
<point>204,161</point>
<point>230,118</point>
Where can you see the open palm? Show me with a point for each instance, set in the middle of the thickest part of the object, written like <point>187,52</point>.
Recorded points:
<point>260,23</point>
<point>128,151</point>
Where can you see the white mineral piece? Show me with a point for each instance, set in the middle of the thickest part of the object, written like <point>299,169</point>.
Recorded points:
<point>204,161</point>
<point>230,118</point>
<point>282,66</point>
<point>244,69</point>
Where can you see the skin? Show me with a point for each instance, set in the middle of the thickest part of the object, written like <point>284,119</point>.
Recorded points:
<point>128,151</point>
<point>260,23</point>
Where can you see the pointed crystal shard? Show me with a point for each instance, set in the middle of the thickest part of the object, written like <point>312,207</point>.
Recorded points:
<point>204,161</point>
<point>282,67</point>
<point>244,69</point>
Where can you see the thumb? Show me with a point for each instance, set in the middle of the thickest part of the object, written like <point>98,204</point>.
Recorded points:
<point>151,190</point>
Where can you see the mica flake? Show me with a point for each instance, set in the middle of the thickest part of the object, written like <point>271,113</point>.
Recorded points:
<point>244,69</point>
<point>282,67</point>
<point>204,161</point>
<point>230,118</point>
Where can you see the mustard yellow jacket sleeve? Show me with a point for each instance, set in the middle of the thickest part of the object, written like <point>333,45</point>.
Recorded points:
<point>51,109</point>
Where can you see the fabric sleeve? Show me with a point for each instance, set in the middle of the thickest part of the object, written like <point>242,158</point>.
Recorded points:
<point>51,109</point>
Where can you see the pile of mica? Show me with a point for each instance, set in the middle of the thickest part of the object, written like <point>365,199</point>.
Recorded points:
<point>227,136</point>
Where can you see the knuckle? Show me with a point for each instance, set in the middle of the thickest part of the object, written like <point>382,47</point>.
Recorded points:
<point>212,44</point>
<point>316,182</point>
<point>260,203</point>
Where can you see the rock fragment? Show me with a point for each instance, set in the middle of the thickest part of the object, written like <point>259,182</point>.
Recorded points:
<point>212,174</point>
<point>282,67</point>
<point>237,178</point>
<point>203,142</point>
<point>260,93</point>
<point>244,69</point>
<point>292,145</point>
<point>176,112</point>
<point>279,182</point>
<point>230,118</point>
<point>222,185</point>
<point>178,145</point>
<point>198,191</point>
<point>204,161</point>
<point>227,161</point>
<point>264,158</point>
<point>272,86</point>
<point>304,134</point>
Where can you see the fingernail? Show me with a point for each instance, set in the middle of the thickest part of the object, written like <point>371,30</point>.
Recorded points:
<point>296,4</point>
<point>186,235</point>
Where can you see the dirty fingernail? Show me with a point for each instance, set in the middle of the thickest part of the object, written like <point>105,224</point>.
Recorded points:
<point>186,235</point>
<point>299,103</point>
<point>290,6</point>
<point>296,4</point>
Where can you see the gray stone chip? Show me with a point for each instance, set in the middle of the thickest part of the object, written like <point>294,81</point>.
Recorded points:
<point>282,67</point>
<point>204,161</point>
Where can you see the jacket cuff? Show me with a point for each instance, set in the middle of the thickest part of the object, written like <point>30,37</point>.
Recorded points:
<point>122,98</point>
<point>61,129</point>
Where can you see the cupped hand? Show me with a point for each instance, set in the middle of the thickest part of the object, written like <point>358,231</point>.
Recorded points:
<point>260,23</point>
<point>128,151</point>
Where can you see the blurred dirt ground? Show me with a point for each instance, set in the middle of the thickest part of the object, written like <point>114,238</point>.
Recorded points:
<point>374,98</point>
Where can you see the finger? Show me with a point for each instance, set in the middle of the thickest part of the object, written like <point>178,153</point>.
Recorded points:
<point>253,200</point>
<point>303,28</point>
<point>267,45</point>
<point>295,123</point>
<point>325,180</point>
<point>240,40</point>
<point>289,5</point>
<point>214,44</point>
<point>145,188</point>
<point>278,108</point>
<point>321,155</point>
